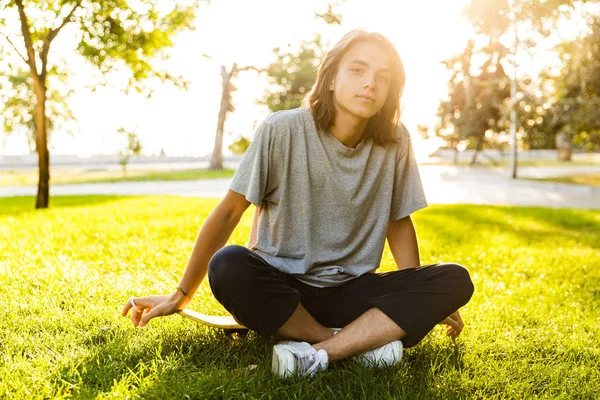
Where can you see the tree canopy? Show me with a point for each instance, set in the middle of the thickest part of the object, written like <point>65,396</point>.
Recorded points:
<point>113,35</point>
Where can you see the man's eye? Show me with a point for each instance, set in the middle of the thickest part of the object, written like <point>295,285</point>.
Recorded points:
<point>357,70</point>
<point>384,78</point>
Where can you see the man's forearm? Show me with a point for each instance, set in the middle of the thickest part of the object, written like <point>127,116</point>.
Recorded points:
<point>402,239</point>
<point>214,234</point>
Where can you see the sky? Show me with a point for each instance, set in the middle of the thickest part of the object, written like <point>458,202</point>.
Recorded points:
<point>183,123</point>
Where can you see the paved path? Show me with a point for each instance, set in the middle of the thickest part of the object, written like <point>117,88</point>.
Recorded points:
<point>443,185</point>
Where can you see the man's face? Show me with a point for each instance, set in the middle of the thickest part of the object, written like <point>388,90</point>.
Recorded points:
<point>362,81</point>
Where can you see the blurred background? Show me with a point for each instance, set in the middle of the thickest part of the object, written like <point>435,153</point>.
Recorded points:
<point>178,85</point>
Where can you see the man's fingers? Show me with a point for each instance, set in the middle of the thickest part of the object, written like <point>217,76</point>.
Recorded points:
<point>454,324</point>
<point>144,308</point>
<point>155,312</point>
<point>140,302</point>
<point>457,317</point>
<point>453,331</point>
<point>146,302</point>
<point>136,316</point>
<point>126,308</point>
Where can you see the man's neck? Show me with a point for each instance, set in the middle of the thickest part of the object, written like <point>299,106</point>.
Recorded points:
<point>348,129</point>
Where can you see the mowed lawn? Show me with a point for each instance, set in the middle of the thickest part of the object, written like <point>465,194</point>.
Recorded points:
<point>65,176</point>
<point>583,179</point>
<point>532,326</point>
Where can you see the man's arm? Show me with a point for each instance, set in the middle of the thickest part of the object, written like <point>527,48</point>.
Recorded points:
<point>214,234</point>
<point>402,239</point>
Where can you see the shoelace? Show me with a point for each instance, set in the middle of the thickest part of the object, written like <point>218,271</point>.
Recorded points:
<point>315,363</point>
<point>305,359</point>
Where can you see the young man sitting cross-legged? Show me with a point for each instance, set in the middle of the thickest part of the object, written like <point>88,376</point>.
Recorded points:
<point>331,181</point>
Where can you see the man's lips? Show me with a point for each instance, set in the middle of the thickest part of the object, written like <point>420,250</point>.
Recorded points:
<point>367,98</point>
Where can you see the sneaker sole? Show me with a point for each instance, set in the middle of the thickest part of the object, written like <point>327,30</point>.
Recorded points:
<point>282,363</point>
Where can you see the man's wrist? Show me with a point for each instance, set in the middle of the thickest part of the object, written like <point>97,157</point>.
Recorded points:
<point>180,299</point>
<point>184,292</point>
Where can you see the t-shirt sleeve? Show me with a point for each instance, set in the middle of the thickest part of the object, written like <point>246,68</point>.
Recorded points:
<point>408,195</point>
<point>250,178</point>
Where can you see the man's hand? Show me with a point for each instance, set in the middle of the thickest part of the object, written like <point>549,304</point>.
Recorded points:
<point>148,307</point>
<point>454,325</point>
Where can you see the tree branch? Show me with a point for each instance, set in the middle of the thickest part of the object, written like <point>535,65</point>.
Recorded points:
<point>15,47</point>
<point>251,67</point>
<point>27,37</point>
<point>51,35</point>
<point>67,19</point>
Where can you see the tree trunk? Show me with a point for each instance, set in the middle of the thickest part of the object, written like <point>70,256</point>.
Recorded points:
<point>455,161</point>
<point>39,87</point>
<point>564,146</point>
<point>41,142</point>
<point>216,162</point>
<point>477,149</point>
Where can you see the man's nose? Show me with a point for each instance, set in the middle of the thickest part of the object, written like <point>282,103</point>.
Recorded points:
<point>370,81</point>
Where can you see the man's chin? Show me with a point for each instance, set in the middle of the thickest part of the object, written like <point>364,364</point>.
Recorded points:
<point>364,114</point>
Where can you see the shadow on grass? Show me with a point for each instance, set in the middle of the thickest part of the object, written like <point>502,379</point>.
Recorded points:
<point>160,365</point>
<point>20,205</point>
<point>204,363</point>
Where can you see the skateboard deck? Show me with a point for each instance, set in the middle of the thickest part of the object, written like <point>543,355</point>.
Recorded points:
<point>216,321</point>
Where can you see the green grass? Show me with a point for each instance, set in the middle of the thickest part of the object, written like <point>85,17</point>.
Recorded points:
<point>70,176</point>
<point>531,326</point>
<point>583,179</point>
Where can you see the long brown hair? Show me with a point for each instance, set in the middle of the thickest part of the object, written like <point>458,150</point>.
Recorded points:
<point>383,125</point>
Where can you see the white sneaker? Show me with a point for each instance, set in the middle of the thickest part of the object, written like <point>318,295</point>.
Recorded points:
<point>297,358</point>
<point>384,356</point>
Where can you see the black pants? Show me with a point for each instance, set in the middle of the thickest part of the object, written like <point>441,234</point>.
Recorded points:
<point>264,298</point>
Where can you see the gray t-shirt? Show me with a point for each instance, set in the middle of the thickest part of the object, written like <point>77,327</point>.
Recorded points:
<point>323,208</point>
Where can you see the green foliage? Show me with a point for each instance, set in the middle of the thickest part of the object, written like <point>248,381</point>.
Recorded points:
<point>533,117</point>
<point>576,100</point>
<point>65,273</point>
<point>18,104</point>
<point>330,17</point>
<point>567,100</point>
<point>293,74</point>
<point>494,17</point>
<point>114,35</point>
<point>240,145</point>
<point>475,99</point>
<point>539,121</point>
<point>132,148</point>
